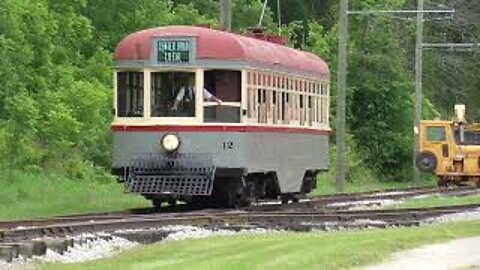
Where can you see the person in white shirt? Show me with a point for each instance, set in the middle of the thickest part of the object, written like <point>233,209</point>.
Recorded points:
<point>186,94</point>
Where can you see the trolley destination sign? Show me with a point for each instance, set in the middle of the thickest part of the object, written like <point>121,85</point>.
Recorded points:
<point>173,51</point>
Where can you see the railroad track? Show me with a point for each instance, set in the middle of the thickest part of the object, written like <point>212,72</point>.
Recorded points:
<point>58,228</point>
<point>374,192</point>
<point>34,237</point>
<point>320,204</point>
<point>345,201</point>
<point>393,194</point>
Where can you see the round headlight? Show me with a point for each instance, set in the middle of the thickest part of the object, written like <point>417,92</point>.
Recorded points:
<point>170,142</point>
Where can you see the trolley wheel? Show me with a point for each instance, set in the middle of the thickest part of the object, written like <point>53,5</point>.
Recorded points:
<point>295,199</point>
<point>285,199</point>
<point>231,199</point>
<point>235,195</point>
<point>157,203</point>
<point>236,198</point>
<point>426,162</point>
<point>245,201</point>
<point>172,202</point>
<point>200,202</point>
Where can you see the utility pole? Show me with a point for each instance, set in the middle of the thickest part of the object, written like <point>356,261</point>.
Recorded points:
<point>341,97</point>
<point>418,86</point>
<point>279,16</point>
<point>263,14</point>
<point>226,15</point>
<point>419,47</point>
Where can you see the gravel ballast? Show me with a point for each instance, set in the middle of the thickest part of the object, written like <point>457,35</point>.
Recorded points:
<point>106,245</point>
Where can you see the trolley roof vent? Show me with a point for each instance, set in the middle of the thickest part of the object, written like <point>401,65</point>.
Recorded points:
<point>259,33</point>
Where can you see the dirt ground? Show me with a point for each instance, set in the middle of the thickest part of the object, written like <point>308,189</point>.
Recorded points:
<point>457,254</point>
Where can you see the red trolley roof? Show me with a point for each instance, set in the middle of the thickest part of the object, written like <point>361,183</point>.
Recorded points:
<point>223,46</point>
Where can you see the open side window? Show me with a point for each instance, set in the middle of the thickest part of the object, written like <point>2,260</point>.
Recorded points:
<point>172,94</point>
<point>225,85</point>
<point>130,94</point>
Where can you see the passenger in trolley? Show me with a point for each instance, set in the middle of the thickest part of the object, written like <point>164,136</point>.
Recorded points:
<point>186,97</point>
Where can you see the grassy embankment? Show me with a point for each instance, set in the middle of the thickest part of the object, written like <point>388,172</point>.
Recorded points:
<point>332,250</point>
<point>26,195</point>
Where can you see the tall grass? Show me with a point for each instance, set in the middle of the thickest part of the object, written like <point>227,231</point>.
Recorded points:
<point>26,195</point>
<point>361,177</point>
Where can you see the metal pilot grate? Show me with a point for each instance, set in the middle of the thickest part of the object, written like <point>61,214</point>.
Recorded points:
<point>182,174</point>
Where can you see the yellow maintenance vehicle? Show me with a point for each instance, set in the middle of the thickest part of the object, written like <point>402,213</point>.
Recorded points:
<point>450,150</point>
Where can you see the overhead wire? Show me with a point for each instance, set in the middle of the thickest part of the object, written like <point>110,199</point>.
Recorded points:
<point>449,75</point>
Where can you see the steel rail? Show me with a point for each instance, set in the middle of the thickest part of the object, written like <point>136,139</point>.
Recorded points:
<point>392,195</point>
<point>316,204</point>
<point>232,218</point>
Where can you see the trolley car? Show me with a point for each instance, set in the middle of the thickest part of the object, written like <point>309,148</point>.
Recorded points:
<point>264,135</point>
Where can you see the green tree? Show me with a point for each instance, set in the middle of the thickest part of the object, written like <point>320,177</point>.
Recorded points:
<point>379,98</point>
<point>450,76</point>
<point>114,19</point>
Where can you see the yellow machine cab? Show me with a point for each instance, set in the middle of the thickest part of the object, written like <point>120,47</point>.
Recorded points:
<point>450,150</point>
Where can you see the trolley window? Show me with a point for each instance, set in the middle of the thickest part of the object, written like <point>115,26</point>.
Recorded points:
<point>226,86</point>
<point>285,100</point>
<point>130,94</point>
<point>436,134</point>
<point>173,94</point>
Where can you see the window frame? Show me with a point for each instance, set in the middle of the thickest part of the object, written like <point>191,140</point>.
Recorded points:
<point>147,119</point>
<point>151,73</point>
<point>308,99</point>
<point>428,135</point>
<point>116,96</point>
